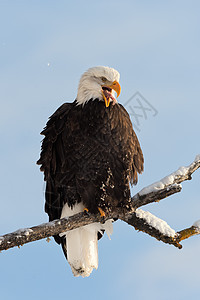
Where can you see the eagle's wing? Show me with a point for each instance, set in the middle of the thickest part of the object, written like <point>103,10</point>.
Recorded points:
<point>49,160</point>
<point>137,165</point>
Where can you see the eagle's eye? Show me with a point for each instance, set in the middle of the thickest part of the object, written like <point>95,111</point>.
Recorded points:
<point>104,79</point>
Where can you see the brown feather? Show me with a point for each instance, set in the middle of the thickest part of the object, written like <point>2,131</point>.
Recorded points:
<point>89,153</point>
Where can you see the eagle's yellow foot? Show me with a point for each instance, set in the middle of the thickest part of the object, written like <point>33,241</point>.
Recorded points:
<point>86,211</point>
<point>102,213</point>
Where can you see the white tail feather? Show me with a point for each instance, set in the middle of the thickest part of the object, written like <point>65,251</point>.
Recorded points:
<point>82,243</point>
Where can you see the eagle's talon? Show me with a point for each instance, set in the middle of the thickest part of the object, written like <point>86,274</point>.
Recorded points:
<point>102,213</point>
<point>86,211</point>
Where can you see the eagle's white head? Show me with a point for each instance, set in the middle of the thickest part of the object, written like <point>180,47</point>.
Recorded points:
<point>99,83</point>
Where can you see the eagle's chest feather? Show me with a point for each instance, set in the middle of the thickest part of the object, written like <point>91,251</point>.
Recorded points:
<point>98,124</point>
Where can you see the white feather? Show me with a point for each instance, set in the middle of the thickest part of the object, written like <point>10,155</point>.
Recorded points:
<point>82,243</point>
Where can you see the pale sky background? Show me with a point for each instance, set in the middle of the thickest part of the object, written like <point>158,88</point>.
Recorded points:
<point>45,46</point>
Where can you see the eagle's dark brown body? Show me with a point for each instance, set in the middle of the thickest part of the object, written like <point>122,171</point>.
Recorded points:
<point>90,154</point>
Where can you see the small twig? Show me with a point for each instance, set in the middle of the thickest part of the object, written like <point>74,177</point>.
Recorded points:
<point>188,232</point>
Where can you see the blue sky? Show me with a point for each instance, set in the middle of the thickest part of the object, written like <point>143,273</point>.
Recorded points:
<point>45,46</point>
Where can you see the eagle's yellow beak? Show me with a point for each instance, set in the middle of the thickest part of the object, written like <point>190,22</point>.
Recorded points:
<point>107,94</point>
<point>116,87</point>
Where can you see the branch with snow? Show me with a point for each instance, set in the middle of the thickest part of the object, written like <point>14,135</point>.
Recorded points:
<point>159,229</point>
<point>166,186</point>
<point>141,220</point>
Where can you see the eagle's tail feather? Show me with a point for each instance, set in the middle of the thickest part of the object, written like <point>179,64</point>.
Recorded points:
<point>82,250</point>
<point>81,244</point>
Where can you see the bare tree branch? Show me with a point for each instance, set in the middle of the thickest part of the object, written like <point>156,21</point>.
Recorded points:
<point>153,193</point>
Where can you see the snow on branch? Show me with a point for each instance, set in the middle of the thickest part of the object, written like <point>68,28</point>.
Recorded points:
<point>159,229</point>
<point>141,220</point>
<point>166,186</point>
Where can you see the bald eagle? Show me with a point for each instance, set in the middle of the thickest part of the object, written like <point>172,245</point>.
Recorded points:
<point>90,155</point>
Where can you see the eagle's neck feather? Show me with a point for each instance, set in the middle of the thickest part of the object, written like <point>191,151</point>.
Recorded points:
<point>88,91</point>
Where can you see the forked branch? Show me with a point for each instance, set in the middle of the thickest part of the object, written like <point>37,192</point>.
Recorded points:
<point>141,220</point>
